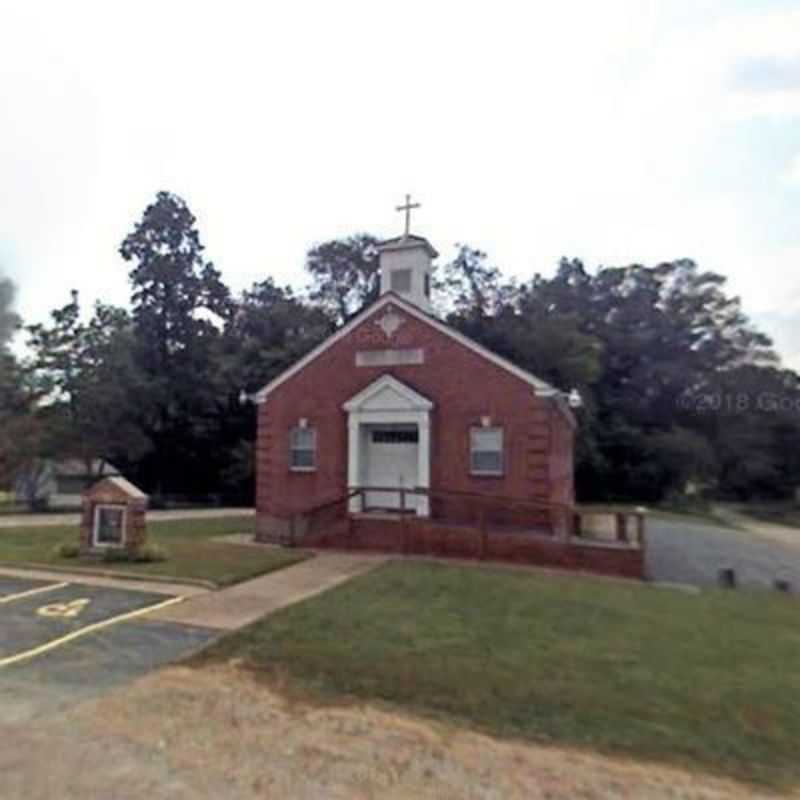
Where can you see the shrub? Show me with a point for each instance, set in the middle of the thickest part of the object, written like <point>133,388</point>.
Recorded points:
<point>68,550</point>
<point>149,554</point>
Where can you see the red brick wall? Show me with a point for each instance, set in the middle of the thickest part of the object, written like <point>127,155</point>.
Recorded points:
<point>463,386</point>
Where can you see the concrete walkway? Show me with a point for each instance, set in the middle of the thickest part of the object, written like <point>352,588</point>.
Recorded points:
<point>74,518</point>
<point>239,605</point>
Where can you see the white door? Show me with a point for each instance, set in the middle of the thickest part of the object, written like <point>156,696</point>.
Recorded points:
<point>392,460</point>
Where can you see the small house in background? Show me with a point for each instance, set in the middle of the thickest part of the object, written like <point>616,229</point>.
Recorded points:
<point>59,483</point>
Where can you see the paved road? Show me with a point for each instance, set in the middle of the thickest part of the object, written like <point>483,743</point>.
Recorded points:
<point>74,518</point>
<point>685,553</point>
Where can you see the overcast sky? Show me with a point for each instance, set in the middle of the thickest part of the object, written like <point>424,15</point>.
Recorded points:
<point>618,132</point>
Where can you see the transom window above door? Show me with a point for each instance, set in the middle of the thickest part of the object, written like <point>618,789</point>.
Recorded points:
<point>395,437</point>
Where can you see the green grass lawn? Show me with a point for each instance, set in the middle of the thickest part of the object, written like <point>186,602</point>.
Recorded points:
<point>8,504</point>
<point>192,553</point>
<point>709,681</point>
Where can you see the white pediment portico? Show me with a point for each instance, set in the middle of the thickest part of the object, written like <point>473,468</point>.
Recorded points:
<point>388,427</point>
<point>387,394</point>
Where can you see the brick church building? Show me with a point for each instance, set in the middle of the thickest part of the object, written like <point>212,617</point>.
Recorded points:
<point>398,412</point>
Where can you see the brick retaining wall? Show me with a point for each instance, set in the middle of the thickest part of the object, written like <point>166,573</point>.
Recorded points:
<point>424,537</point>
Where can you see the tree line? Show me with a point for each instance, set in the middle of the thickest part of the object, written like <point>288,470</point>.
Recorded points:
<point>683,397</point>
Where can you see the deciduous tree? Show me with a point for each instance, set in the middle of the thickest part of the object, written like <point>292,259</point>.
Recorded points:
<point>89,386</point>
<point>9,321</point>
<point>344,275</point>
<point>17,425</point>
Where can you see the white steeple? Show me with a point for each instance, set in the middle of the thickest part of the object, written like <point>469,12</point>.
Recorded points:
<point>406,264</point>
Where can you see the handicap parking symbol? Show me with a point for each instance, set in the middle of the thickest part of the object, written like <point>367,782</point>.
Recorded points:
<point>68,610</point>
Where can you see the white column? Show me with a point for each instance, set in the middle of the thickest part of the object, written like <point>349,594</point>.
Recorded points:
<point>353,459</point>
<point>424,463</point>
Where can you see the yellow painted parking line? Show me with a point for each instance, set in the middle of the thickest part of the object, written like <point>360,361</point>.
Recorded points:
<point>51,645</point>
<point>31,592</point>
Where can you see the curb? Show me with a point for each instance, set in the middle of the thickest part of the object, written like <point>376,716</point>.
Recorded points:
<point>687,588</point>
<point>114,574</point>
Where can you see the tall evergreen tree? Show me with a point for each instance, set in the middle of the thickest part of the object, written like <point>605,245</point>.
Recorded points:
<point>180,307</point>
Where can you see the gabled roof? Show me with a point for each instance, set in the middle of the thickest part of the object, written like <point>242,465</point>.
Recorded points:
<point>124,485</point>
<point>540,387</point>
<point>68,467</point>
<point>388,394</point>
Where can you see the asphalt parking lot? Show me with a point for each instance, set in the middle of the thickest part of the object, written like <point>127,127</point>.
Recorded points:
<point>61,642</point>
<point>680,552</point>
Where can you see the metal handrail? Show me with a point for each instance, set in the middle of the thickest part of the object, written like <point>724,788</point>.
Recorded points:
<point>455,493</point>
<point>572,514</point>
<point>484,499</point>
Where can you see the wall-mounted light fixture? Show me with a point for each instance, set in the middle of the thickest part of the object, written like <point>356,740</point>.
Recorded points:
<point>574,399</point>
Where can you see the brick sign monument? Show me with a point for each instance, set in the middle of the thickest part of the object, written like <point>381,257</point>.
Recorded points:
<point>114,517</point>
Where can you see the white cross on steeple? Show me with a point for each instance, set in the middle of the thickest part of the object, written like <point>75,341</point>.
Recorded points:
<point>407,208</point>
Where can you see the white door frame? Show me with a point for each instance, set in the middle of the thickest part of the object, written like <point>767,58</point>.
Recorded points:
<point>388,401</point>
